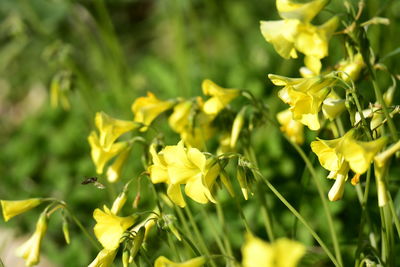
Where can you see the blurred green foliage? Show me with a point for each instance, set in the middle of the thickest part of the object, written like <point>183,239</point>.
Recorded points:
<point>118,50</point>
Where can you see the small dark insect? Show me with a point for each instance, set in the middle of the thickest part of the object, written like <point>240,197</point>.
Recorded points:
<point>89,180</point>
<point>93,180</point>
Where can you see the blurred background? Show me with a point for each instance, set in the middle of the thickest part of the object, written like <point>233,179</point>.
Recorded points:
<point>101,55</point>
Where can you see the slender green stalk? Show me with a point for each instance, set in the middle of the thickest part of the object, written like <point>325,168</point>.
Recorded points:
<point>265,215</point>
<point>199,237</point>
<point>85,232</point>
<point>302,220</point>
<point>221,219</point>
<point>323,200</point>
<point>249,153</point>
<point>242,216</point>
<point>171,244</point>
<point>214,231</point>
<point>394,215</point>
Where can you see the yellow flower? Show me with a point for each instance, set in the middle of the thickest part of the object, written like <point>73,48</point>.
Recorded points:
<point>13,208</point>
<point>30,250</point>
<point>105,258</point>
<point>147,108</point>
<point>282,253</point>
<point>304,95</point>
<point>193,125</point>
<point>345,153</point>
<point>177,165</point>
<point>110,129</point>
<point>352,67</point>
<point>220,97</point>
<point>312,41</point>
<point>333,106</point>
<point>180,117</point>
<point>296,33</point>
<point>292,128</point>
<point>100,156</point>
<point>301,11</point>
<point>109,227</point>
<point>281,34</point>
<point>164,262</point>
<point>114,170</point>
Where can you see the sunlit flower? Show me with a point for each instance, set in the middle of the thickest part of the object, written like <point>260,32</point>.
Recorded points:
<point>110,227</point>
<point>178,165</point>
<point>220,97</point>
<point>305,96</point>
<point>100,156</point>
<point>13,208</point>
<point>110,129</point>
<point>105,258</point>
<point>282,253</point>
<point>147,108</point>
<point>345,153</point>
<point>352,67</point>
<point>30,250</point>
<point>292,128</point>
<point>193,125</point>
<point>296,33</point>
<point>164,262</point>
<point>301,11</point>
<point>333,106</point>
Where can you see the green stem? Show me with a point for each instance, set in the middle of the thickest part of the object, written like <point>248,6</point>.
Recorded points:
<point>323,200</point>
<point>394,215</point>
<point>85,232</point>
<point>199,237</point>
<point>302,220</point>
<point>266,216</point>
<point>221,219</point>
<point>214,231</point>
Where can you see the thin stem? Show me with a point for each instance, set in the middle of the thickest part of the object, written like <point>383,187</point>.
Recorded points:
<point>79,224</point>
<point>214,231</point>
<point>394,215</point>
<point>302,220</point>
<point>323,200</point>
<point>199,237</point>
<point>221,219</point>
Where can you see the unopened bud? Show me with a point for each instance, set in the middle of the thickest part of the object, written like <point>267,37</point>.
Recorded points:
<point>119,202</point>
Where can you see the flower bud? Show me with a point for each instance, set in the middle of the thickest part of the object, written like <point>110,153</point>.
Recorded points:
<point>13,208</point>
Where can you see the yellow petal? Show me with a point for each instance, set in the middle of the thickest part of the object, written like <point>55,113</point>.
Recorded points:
<point>30,250</point>
<point>360,154</point>
<point>147,108</point>
<point>110,128</point>
<point>109,227</point>
<point>164,262</point>
<point>281,34</point>
<point>13,208</point>
<point>257,253</point>
<point>105,258</point>
<point>302,11</point>
<point>175,194</point>
<point>220,97</point>
<point>292,128</point>
<point>100,156</point>
<point>284,247</point>
<point>327,154</point>
<point>114,170</point>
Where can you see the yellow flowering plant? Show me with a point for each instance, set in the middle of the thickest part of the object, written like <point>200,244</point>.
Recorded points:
<point>164,171</point>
